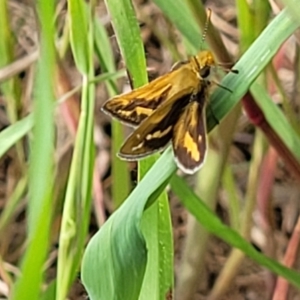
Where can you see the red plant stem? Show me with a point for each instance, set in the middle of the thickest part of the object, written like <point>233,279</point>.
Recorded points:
<point>257,117</point>
<point>264,203</point>
<point>265,185</point>
<point>281,289</point>
<point>70,109</point>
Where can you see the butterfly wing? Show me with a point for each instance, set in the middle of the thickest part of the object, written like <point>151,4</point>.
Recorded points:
<point>155,132</point>
<point>134,107</point>
<point>189,138</point>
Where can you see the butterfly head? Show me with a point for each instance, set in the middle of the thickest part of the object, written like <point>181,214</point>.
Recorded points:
<point>204,60</point>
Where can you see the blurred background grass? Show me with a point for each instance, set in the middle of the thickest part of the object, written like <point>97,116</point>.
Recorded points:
<point>61,180</point>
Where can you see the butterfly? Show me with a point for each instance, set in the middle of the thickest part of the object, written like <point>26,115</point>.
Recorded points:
<point>170,108</point>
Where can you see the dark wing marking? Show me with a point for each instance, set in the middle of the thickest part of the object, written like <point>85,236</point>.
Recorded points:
<point>155,132</point>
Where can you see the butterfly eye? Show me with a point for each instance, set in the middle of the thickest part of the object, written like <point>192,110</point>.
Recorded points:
<point>205,71</point>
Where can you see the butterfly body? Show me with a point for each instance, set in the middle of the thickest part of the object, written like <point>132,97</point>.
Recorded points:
<point>171,108</point>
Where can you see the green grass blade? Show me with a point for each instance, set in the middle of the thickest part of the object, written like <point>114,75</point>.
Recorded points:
<point>181,16</point>
<point>10,88</point>
<point>245,23</point>
<point>41,164</point>
<point>276,119</point>
<point>157,230</point>
<point>78,34</point>
<point>293,8</point>
<point>13,202</point>
<point>128,36</point>
<point>214,225</point>
<point>13,133</point>
<point>250,66</point>
<point>120,172</point>
<point>115,260</point>
<point>76,212</point>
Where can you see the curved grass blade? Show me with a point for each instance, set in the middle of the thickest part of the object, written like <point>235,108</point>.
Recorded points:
<point>118,251</point>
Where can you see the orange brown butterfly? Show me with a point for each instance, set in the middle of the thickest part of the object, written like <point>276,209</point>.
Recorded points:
<point>170,108</point>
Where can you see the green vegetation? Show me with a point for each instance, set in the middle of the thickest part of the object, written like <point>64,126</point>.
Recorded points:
<point>131,256</point>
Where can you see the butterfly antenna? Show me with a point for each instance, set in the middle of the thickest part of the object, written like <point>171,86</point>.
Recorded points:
<point>228,70</point>
<point>222,86</point>
<point>206,26</point>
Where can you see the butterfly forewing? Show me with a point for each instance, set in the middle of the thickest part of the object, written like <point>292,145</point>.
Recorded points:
<point>156,131</point>
<point>189,137</point>
<point>134,107</point>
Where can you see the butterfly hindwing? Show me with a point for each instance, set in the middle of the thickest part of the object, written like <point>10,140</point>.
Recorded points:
<point>189,136</point>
